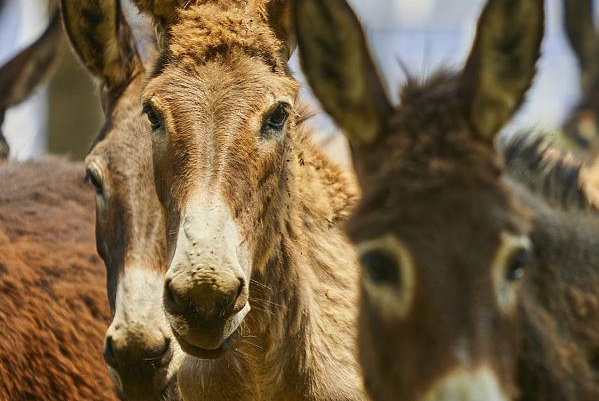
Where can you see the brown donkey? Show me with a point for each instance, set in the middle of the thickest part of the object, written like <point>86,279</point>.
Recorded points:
<point>473,286</point>
<point>130,235</point>
<point>52,297</point>
<point>22,74</point>
<point>252,212</point>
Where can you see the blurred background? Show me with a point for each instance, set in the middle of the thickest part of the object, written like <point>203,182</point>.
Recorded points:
<point>64,116</point>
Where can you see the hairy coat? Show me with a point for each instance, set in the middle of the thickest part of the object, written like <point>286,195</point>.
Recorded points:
<point>53,310</point>
<point>475,285</point>
<point>264,302</point>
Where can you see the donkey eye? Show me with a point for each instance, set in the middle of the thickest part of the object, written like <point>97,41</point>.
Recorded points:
<point>381,268</point>
<point>276,119</point>
<point>153,117</point>
<point>92,179</point>
<point>517,264</point>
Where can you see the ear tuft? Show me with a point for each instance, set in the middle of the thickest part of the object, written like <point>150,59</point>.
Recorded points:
<point>502,64</point>
<point>277,13</point>
<point>338,66</point>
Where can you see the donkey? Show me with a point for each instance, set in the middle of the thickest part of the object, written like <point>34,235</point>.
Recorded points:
<point>23,73</point>
<point>252,211</point>
<point>473,286</point>
<point>139,350</point>
<point>52,313</point>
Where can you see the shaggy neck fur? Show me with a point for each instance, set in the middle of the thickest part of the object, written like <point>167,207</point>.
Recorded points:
<point>298,341</point>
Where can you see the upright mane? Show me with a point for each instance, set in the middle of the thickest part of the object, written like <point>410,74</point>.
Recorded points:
<point>550,172</point>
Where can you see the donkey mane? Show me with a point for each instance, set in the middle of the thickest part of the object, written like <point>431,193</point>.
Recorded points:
<point>547,171</point>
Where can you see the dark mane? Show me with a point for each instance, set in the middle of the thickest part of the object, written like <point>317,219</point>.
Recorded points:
<point>547,171</point>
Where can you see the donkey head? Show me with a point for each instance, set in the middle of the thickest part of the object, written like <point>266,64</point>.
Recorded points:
<point>443,242</point>
<point>129,223</point>
<point>22,74</point>
<point>221,104</point>
<point>582,125</point>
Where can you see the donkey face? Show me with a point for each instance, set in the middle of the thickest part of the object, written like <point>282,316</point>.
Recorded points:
<point>443,242</point>
<point>221,105</point>
<point>129,223</point>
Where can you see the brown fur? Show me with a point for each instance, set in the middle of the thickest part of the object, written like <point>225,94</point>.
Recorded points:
<point>213,86</point>
<point>130,236</point>
<point>443,306</point>
<point>53,310</point>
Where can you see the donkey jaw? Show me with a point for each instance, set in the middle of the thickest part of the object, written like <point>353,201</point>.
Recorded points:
<point>231,332</point>
<point>480,384</point>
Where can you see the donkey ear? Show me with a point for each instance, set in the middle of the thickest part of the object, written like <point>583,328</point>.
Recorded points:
<point>584,39</point>
<point>338,66</point>
<point>502,63</point>
<point>102,39</point>
<point>278,14</point>
<point>22,74</point>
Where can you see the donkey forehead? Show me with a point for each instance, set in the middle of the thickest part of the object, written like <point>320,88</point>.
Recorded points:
<point>224,87</point>
<point>206,31</point>
<point>449,220</point>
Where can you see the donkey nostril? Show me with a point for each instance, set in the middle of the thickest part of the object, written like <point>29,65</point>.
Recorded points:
<point>172,302</point>
<point>241,297</point>
<point>109,355</point>
<point>241,286</point>
<point>166,353</point>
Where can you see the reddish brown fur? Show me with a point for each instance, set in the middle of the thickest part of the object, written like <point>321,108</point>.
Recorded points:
<point>53,311</point>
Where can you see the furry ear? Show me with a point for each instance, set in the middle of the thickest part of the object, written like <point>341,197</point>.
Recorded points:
<point>102,40</point>
<point>336,61</point>
<point>278,15</point>
<point>584,39</point>
<point>162,11</point>
<point>502,63</point>
<point>144,34</point>
<point>24,72</point>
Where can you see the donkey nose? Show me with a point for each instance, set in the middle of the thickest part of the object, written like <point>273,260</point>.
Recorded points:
<point>124,350</point>
<point>208,299</point>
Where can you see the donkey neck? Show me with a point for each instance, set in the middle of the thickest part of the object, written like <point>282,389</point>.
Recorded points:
<point>305,297</point>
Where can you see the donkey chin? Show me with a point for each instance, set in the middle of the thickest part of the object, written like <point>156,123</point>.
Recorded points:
<point>467,385</point>
<point>210,340</point>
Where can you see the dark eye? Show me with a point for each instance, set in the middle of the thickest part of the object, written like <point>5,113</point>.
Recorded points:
<point>277,119</point>
<point>92,179</point>
<point>153,117</point>
<point>517,265</point>
<point>381,268</point>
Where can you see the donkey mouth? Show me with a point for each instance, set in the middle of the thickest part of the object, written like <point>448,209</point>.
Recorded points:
<point>203,353</point>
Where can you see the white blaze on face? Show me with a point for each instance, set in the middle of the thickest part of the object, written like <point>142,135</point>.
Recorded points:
<point>139,317</point>
<point>210,242</point>
<point>468,385</point>
<point>139,299</point>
